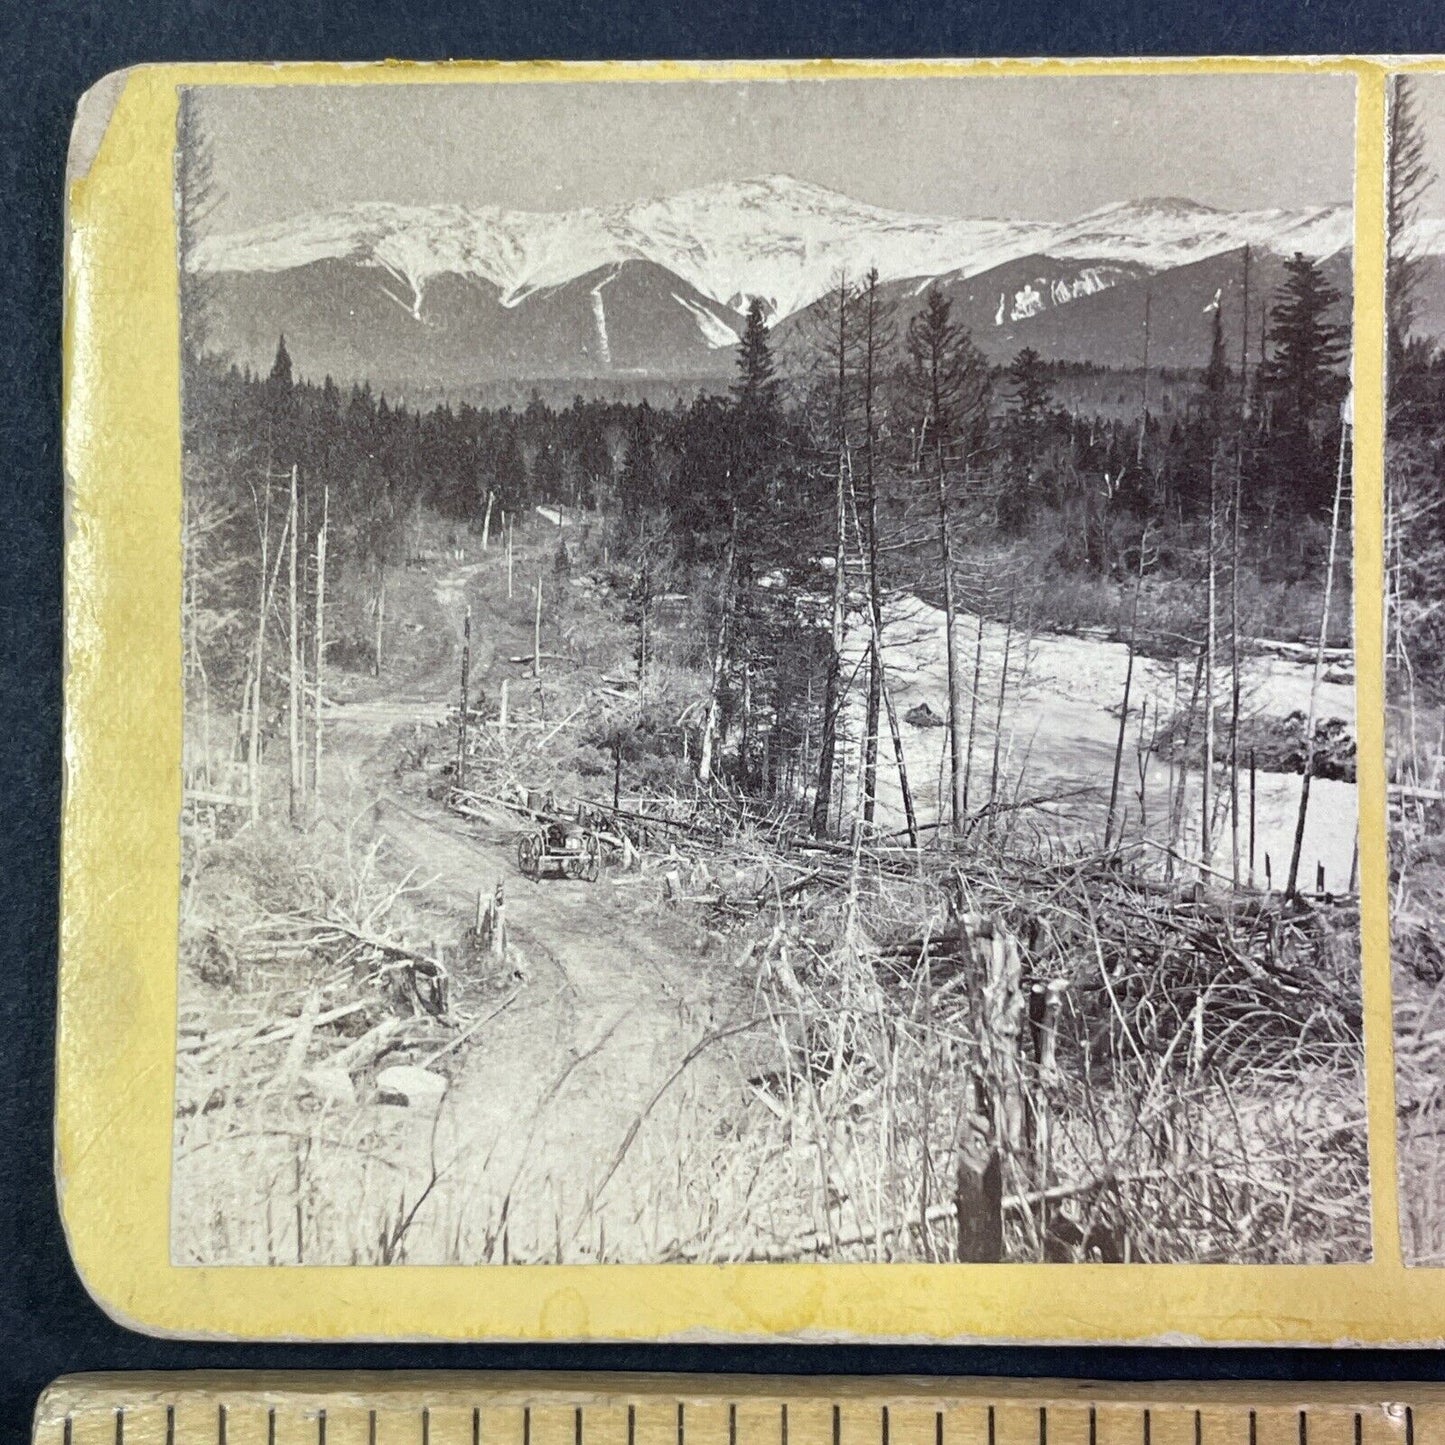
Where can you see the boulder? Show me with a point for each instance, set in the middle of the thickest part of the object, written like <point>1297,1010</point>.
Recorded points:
<point>410,1086</point>
<point>329,1083</point>
<point>923,716</point>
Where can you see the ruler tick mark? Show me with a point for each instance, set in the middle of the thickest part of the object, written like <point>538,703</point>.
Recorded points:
<point>991,1440</point>
<point>1304,1429</point>
<point>1093,1425</point>
<point>170,1425</point>
<point>1359,1428</point>
<point>271,1426</point>
<point>526,1425</point>
<point>68,1434</point>
<point>221,1424</point>
<point>1253,1428</point>
<point>785,1426</point>
<point>1409,1425</point>
<point>632,1425</point>
<point>1148,1427</point>
<point>837,1425</point>
<point>732,1425</point>
<point>1198,1428</point>
<point>120,1425</point>
<point>321,1427</point>
<point>938,1427</point>
<point>577,1427</point>
<point>679,1422</point>
<point>1043,1425</point>
<point>883,1423</point>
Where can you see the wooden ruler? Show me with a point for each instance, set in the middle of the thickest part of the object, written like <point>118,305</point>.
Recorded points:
<point>482,1409</point>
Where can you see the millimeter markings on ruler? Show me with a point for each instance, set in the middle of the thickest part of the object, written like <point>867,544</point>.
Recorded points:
<point>477,1409</point>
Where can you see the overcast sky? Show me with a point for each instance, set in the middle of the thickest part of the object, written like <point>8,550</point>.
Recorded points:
<point>1035,148</point>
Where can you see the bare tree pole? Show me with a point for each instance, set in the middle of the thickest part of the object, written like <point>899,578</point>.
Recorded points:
<point>465,700</point>
<point>487,520</point>
<point>1234,574</point>
<point>1124,705</point>
<point>380,611</point>
<point>875,341</point>
<point>294,710</point>
<point>706,762</point>
<point>973,700</point>
<point>320,647</point>
<point>832,702</point>
<point>1206,834</point>
<point>1008,637</point>
<point>537,632</point>
<point>1319,668</point>
<point>875,620</point>
<point>263,606</point>
<point>1144,399</point>
<point>509,557</point>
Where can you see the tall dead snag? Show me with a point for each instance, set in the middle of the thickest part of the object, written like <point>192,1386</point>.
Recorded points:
<point>876,338</point>
<point>537,631</point>
<point>994,1131</point>
<point>706,757</point>
<point>1318,674</point>
<point>1144,385</point>
<point>294,708</point>
<point>948,380</point>
<point>1124,703</point>
<point>1235,500</point>
<point>320,647</point>
<point>379,613</point>
<point>875,627</point>
<point>267,590</point>
<point>1206,824</point>
<point>465,700</point>
<point>1008,637</point>
<point>832,701</point>
<point>973,701</point>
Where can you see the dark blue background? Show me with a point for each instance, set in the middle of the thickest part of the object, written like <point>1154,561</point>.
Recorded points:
<point>49,53</point>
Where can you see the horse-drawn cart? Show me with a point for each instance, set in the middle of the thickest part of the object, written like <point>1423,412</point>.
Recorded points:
<point>569,845</point>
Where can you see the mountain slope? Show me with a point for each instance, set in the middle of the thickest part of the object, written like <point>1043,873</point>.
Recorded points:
<point>441,296</point>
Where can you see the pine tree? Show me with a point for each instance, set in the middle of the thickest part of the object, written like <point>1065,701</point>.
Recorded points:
<point>1307,346</point>
<point>1408,178</point>
<point>757,412</point>
<point>1029,388</point>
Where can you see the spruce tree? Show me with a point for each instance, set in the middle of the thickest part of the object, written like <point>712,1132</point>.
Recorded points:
<point>757,412</point>
<point>1307,346</point>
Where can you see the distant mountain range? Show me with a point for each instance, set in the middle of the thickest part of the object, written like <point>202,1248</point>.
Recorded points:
<point>438,299</point>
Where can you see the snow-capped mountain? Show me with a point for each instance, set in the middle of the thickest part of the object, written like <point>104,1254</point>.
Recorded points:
<point>526,293</point>
<point>776,238</point>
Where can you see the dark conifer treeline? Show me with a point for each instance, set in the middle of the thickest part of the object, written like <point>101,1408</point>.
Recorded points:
<point>893,444</point>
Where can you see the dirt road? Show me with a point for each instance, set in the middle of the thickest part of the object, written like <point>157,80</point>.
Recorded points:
<point>567,1132</point>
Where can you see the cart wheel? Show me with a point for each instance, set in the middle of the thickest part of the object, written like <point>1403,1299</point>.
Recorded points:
<point>529,856</point>
<point>592,859</point>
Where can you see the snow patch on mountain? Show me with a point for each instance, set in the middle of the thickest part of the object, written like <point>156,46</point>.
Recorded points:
<point>716,332</point>
<point>776,239</point>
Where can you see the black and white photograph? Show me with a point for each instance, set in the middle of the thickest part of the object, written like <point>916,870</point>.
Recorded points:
<point>1415,644</point>
<point>769,672</point>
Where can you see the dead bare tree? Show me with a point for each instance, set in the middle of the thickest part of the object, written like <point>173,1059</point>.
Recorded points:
<point>832,701</point>
<point>298,783</point>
